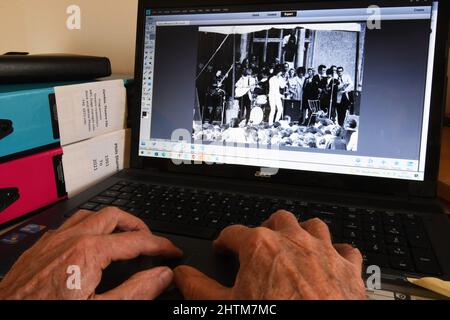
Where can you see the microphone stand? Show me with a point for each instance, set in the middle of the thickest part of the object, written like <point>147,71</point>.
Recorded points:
<point>331,98</point>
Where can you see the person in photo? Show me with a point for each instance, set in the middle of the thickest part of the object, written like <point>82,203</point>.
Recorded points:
<point>346,87</point>
<point>244,91</point>
<point>276,84</point>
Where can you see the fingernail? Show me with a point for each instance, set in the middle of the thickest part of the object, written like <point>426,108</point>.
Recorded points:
<point>166,275</point>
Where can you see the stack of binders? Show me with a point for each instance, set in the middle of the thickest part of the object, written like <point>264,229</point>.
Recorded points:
<point>56,140</point>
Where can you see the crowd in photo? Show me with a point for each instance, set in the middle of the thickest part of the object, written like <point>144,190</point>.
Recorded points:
<point>322,134</point>
<point>279,105</point>
<point>280,90</point>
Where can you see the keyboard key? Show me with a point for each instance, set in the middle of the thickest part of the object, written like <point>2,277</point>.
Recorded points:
<point>328,213</point>
<point>426,262</point>
<point>101,207</point>
<point>418,239</point>
<point>354,225</point>
<point>373,228</point>
<point>120,202</point>
<point>373,236</point>
<point>391,219</point>
<point>138,196</point>
<point>351,234</point>
<point>134,204</point>
<point>126,196</point>
<point>90,206</point>
<point>352,210</point>
<point>414,225</point>
<point>103,200</point>
<point>374,259</point>
<point>134,211</point>
<point>393,230</point>
<point>397,251</point>
<point>117,187</point>
<point>351,216</point>
<point>353,242</point>
<point>197,220</point>
<point>374,247</point>
<point>109,193</point>
<point>127,189</point>
<point>371,219</point>
<point>146,213</point>
<point>163,216</point>
<point>401,263</point>
<point>183,229</point>
<point>179,218</point>
<point>396,240</point>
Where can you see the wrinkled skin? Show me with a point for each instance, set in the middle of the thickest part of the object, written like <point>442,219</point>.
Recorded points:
<point>90,241</point>
<point>281,260</point>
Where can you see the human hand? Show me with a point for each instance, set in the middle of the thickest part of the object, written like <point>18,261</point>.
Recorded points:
<point>281,260</point>
<point>90,241</point>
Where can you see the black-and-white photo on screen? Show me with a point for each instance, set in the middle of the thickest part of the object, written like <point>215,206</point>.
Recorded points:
<point>288,85</point>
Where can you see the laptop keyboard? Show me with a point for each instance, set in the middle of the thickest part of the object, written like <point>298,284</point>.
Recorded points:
<point>387,239</point>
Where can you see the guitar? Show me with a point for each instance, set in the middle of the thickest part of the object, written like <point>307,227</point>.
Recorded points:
<point>220,83</point>
<point>242,91</point>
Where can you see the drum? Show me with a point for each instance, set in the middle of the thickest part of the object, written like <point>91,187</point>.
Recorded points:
<point>261,100</point>
<point>257,116</point>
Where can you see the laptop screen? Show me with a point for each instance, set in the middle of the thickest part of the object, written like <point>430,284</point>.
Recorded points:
<point>344,91</point>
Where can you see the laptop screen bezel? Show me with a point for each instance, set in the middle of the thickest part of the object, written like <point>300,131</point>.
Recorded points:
<point>426,188</point>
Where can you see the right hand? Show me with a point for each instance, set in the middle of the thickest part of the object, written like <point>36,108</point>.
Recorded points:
<point>281,260</point>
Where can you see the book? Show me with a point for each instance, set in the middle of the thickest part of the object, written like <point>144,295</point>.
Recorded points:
<point>88,162</point>
<point>35,117</point>
<point>31,183</point>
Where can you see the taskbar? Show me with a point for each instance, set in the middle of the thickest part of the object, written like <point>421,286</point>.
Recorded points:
<point>199,158</point>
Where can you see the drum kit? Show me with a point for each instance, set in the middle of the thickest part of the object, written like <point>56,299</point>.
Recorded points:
<point>259,105</point>
<point>257,113</point>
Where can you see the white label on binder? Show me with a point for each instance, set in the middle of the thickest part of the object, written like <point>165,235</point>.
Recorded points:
<point>88,162</point>
<point>90,110</point>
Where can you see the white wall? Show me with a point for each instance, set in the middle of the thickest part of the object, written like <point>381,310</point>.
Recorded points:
<point>108,28</point>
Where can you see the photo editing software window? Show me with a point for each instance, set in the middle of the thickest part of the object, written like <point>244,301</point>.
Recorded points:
<point>344,91</point>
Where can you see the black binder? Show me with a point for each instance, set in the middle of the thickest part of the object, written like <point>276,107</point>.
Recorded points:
<point>6,128</point>
<point>18,68</point>
<point>8,197</point>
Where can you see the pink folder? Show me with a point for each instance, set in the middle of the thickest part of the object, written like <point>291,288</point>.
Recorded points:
<point>31,183</point>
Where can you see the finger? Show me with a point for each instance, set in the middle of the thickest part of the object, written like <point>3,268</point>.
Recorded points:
<point>194,285</point>
<point>231,239</point>
<point>317,228</point>
<point>130,245</point>
<point>76,218</point>
<point>350,254</point>
<point>110,219</point>
<point>281,220</point>
<point>146,285</point>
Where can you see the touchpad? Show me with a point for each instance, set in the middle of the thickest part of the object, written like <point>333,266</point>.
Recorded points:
<point>118,272</point>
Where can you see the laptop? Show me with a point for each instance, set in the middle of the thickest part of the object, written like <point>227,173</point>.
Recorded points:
<point>328,109</point>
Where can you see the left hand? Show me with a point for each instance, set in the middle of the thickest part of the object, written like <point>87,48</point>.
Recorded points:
<point>90,242</point>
